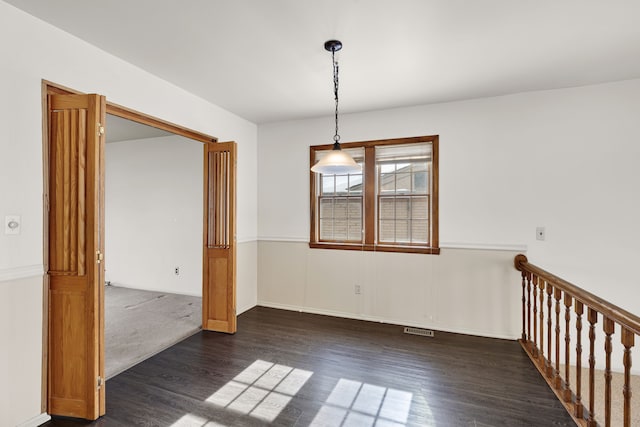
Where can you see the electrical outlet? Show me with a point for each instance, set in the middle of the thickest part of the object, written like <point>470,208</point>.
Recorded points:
<point>540,233</point>
<point>357,289</point>
<point>177,271</point>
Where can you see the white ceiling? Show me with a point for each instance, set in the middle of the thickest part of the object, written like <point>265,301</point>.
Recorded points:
<point>264,60</point>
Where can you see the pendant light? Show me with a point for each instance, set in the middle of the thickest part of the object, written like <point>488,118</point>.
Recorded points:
<point>336,161</point>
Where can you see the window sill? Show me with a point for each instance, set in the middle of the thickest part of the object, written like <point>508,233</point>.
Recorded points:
<point>376,248</point>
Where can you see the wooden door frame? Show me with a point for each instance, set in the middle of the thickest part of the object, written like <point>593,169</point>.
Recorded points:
<point>51,88</point>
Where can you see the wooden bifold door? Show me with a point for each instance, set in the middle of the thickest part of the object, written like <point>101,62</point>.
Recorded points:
<point>76,244</point>
<point>219,238</point>
<point>74,248</point>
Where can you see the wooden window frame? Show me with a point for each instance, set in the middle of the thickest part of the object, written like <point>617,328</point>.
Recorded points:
<point>370,199</point>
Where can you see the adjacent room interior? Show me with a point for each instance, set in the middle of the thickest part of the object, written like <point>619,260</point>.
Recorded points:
<point>153,219</point>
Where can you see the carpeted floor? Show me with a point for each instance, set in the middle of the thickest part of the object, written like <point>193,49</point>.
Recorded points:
<point>617,400</point>
<point>139,324</point>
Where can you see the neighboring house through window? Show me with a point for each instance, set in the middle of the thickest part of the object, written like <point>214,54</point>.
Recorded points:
<point>392,205</point>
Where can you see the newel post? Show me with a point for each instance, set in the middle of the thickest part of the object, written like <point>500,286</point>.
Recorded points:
<point>518,260</point>
<point>526,278</point>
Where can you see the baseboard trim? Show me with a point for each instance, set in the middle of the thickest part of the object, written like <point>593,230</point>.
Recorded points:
<point>164,291</point>
<point>240,310</point>
<point>36,421</point>
<point>376,319</point>
<point>23,272</point>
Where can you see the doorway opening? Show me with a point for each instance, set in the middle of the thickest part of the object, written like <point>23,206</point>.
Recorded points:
<point>153,234</point>
<point>74,241</point>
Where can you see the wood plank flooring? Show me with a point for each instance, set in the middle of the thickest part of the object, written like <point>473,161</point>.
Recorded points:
<point>287,368</point>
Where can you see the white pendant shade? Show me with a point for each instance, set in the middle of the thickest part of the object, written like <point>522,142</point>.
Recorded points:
<point>337,162</point>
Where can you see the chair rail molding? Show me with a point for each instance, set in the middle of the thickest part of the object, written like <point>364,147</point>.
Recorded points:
<point>22,272</point>
<point>515,247</point>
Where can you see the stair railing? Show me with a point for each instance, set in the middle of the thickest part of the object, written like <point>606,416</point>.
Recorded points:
<point>544,296</point>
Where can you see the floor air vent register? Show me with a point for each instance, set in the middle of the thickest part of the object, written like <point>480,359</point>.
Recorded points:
<point>418,331</point>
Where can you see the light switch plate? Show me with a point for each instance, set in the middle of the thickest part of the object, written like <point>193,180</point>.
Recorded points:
<point>12,224</point>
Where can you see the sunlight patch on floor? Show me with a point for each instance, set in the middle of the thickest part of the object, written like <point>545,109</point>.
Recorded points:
<point>190,420</point>
<point>262,390</point>
<point>352,403</point>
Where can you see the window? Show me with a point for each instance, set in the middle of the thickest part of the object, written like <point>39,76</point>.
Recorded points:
<point>340,204</point>
<point>392,205</point>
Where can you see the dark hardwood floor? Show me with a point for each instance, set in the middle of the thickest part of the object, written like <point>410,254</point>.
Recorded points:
<point>293,369</point>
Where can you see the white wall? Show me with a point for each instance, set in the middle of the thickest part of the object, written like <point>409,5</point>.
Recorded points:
<point>564,159</point>
<point>404,289</point>
<point>39,51</point>
<point>21,329</point>
<point>246,275</point>
<point>153,214</point>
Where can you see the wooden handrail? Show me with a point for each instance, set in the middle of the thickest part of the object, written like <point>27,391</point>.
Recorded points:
<point>544,297</point>
<point>611,311</point>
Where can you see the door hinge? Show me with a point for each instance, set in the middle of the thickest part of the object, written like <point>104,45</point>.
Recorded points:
<point>99,257</point>
<point>100,382</point>
<point>100,129</point>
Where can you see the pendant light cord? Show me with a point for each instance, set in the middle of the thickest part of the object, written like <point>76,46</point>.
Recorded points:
<point>336,137</point>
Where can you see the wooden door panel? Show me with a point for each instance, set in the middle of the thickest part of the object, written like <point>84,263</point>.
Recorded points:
<point>67,243</point>
<point>218,310</point>
<point>70,347</point>
<point>219,239</point>
<point>219,271</point>
<point>75,272</point>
